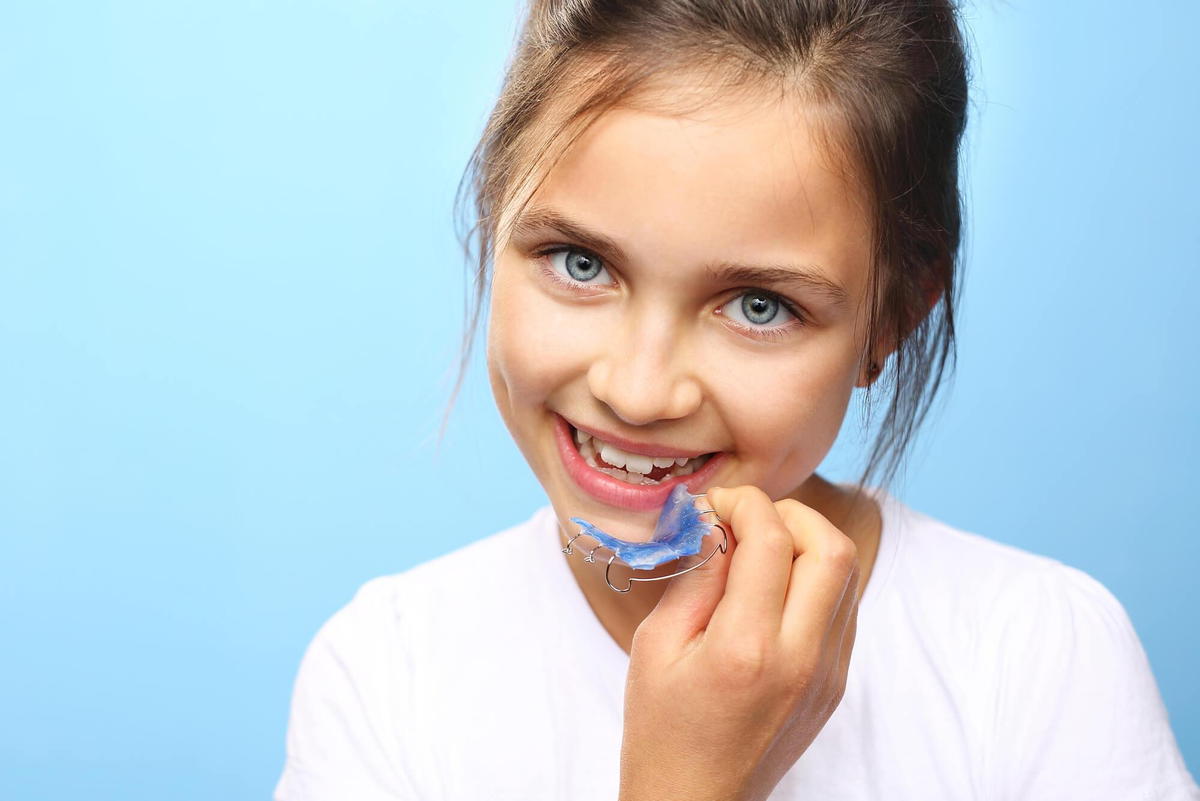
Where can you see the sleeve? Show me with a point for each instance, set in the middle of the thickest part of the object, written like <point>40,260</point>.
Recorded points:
<point>341,741</point>
<point>1076,713</point>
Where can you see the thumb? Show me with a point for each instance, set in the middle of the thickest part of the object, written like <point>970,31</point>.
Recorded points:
<point>688,602</point>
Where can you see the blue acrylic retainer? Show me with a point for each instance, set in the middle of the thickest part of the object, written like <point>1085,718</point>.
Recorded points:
<point>679,532</point>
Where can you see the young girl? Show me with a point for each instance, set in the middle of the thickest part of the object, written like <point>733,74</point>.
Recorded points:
<point>702,225</point>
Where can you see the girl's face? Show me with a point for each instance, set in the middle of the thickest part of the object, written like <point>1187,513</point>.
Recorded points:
<point>685,289</point>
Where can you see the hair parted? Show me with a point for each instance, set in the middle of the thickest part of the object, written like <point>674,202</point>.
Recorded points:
<point>888,78</point>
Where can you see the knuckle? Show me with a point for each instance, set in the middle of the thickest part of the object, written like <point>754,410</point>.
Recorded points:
<point>842,553</point>
<point>790,505</point>
<point>800,677</point>
<point>745,661</point>
<point>648,637</point>
<point>805,667</point>
<point>778,538</point>
<point>752,494</point>
<point>642,642</point>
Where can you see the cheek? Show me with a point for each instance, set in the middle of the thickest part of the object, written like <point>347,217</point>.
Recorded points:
<point>531,350</point>
<point>787,412</point>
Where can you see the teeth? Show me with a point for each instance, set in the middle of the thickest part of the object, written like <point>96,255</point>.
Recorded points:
<point>638,464</point>
<point>613,455</point>
<point>632,467</point>
<point>635,462</point>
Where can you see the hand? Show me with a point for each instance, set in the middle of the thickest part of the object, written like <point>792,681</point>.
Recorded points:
<point>743,660</point>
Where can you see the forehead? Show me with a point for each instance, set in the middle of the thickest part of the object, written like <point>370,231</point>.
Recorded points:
<point>745,177</point>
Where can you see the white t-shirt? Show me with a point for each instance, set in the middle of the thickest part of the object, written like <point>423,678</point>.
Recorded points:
<point>979,671</point>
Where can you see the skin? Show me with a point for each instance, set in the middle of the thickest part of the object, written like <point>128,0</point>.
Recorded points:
<point>655,349</point>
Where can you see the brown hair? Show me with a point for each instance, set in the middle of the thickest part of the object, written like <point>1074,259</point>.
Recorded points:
<point>890,76</point>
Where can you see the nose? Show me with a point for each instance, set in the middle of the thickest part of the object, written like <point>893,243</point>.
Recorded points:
<point>646,372</point>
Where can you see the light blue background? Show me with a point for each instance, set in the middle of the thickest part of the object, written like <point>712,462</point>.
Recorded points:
<point>229,306</point>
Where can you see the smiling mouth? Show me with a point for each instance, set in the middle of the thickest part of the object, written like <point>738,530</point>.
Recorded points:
<point>632,468</point>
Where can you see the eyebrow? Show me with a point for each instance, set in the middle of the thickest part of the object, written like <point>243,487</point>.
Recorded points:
<point>811,278</point>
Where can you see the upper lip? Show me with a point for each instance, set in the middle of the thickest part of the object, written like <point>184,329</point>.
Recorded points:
<point>642,448</point>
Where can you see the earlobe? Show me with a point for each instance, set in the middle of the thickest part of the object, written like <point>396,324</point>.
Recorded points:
<point>872,364</point>
<point>932,297</point>
<point>869,373</point>
<point>872,367</point>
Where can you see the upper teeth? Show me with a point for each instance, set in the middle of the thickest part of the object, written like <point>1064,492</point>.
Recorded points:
<point>631,466</point>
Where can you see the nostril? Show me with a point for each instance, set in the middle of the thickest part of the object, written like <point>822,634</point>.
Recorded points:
<point>640,391</point>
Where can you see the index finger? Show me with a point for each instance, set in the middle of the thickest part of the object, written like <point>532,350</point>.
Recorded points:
<point>821,575</point>
<point>760,566</point>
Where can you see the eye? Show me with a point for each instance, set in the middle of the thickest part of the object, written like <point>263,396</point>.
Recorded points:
<point>756,309</point>
<point>580,266</point>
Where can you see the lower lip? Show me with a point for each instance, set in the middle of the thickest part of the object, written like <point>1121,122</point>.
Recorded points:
<point>613,491</point>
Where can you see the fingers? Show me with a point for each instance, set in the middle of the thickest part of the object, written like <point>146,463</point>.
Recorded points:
<point>760,570</point>
<point>840,640</point>
<point>821,592</point>
<point>788,572</point>
<point>849,631</point>
<point>687,604</point>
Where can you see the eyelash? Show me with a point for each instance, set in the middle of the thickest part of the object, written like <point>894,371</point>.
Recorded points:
<point>772,333</point>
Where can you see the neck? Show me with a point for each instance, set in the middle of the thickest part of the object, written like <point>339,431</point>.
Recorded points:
<point>622,613</point>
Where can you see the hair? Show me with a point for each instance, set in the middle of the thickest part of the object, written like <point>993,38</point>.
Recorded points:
<point>888,78</point>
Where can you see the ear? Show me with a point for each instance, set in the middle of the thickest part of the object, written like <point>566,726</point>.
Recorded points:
<point>871,367</point>
<point>932,295</point>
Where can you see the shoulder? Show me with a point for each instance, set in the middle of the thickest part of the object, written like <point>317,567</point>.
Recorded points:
<point>443,587</point>
<point>946,556</point>
<point>1046,661</point>
<point>989,614</point>
<point>358,727</point>
<point>955,573</point>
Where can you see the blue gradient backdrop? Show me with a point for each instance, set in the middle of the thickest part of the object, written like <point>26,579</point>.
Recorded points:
<point>230,297</point>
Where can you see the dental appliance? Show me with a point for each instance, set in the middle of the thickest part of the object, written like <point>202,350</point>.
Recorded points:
<point>678,533</point>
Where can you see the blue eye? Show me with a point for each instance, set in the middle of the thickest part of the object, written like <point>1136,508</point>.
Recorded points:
<point>758,309</point>
<point>578,265</point>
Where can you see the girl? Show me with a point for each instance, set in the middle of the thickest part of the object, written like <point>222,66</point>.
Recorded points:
<point>703,224</point>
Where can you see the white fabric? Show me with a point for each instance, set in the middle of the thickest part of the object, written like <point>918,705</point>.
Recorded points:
<point>980,671</point>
